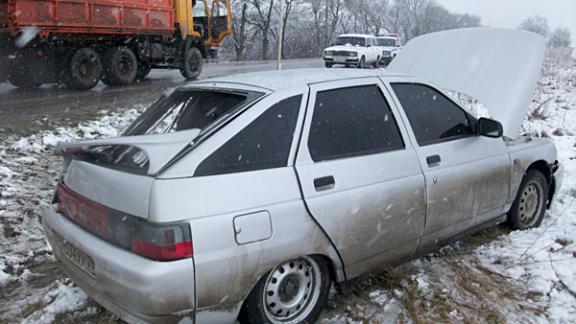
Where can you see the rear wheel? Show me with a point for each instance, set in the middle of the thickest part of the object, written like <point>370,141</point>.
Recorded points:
<point>294,292</point>
<point>328,65</point>
<point>120,66</point>
<point>193,63</point>
<point>84,70</point>
<point>530,205</point>
<point>21,74</point>
<point>144,69</point>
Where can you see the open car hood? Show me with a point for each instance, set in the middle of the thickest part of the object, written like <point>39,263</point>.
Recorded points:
<point>499,67</point>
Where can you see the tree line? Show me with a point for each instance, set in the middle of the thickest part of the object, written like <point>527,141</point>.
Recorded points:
<point>312,25</point>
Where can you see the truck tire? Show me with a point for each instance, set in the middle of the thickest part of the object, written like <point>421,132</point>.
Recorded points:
<point>84,70</point>
<point>143,70</point>
<point>120,66</point>
<point>530,205</point>
<point>20,75</point>
<point>193,64</point>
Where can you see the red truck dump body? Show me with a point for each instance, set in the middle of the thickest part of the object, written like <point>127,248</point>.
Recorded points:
<point>123,17</point>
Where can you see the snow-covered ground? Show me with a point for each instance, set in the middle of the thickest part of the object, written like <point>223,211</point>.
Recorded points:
<point>495,276</point>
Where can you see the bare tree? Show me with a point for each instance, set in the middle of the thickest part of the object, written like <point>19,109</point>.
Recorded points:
<point>262,19</point>
<point>536,24</point>
<point>240,33</point>
<point>560,38</point>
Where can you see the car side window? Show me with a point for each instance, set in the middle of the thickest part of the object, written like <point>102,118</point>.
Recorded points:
<point>263,144</point>
<point>433,117</point>
<point>350,122</point>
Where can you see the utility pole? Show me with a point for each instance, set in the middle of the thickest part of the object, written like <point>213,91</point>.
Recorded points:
<point>280,34</point>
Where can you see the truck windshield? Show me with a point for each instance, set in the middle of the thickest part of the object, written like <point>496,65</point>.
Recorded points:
<point>389,42</point>
<point>355,41</point>
<point>189,109</point>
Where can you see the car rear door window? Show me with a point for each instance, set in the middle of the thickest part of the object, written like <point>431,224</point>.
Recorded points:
<point>263,144</point>
<point>433,117</point>
<point>352,122</point>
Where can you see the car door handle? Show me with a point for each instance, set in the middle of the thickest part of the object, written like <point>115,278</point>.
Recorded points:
<point>324,183</point>
<point>433,160</point>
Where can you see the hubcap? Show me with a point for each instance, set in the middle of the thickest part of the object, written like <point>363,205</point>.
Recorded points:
<point>125,65</point>
<point>193,63</point>
<point>291,291</point>
<point>530,203</point>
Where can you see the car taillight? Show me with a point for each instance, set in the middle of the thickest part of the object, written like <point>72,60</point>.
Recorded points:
<point>161,242</point>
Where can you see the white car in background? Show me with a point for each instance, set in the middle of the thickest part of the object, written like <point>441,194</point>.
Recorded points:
<point>353,50</point>
<point>389,47</point>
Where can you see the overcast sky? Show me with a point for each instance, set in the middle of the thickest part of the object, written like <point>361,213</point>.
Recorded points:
<point>509,13</point>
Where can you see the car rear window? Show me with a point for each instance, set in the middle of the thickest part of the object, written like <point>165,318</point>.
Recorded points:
<point>189,109</point>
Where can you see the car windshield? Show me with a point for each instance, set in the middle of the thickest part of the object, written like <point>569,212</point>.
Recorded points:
<point>389,42</point>
<point>355,41</point>
<point>189,109</point>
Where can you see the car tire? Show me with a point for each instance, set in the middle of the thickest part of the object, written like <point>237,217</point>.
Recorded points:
<point>362,63</point>
<point>84,70</point>
<point>294,292</point>
<point>377,63</point>
<point>328,65</point>
<point>120,66</point>
<point>193,64</point>
<point>530,205</point>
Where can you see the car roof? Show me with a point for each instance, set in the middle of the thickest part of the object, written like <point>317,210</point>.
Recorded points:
<point>293,78</point>
<point>387,37</point>
<point>356,35</point>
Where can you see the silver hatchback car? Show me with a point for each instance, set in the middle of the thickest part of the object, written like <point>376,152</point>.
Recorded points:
<point>246,197</point>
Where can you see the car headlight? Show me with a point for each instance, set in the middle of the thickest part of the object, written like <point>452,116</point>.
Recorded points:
<point>353,54</point>
<point>329,53</point>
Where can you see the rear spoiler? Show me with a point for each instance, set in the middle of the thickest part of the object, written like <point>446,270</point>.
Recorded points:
<point>160,148</point>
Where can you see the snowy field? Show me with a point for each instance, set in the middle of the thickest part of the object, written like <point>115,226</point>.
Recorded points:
<point>496,276</point>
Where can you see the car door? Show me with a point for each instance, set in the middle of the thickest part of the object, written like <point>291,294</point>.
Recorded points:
<point>467,176</point>
<point>360,177</point>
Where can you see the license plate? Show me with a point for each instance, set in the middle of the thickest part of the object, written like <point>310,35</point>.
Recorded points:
<point>78,258</point>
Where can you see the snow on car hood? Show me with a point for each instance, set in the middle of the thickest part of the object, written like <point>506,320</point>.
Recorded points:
<point>499,67</point>
<point>342,48</point>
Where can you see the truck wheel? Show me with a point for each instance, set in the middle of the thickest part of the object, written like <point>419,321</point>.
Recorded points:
<point>293,292</point>
<point>84,70</point>
<point>143,70</point>
<point>120,66</point>
<point>193,63</point>
<point>530,205</point>
<point>22,76</point>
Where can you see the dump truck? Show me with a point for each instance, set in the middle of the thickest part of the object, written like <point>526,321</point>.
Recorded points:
<point>77,43</point>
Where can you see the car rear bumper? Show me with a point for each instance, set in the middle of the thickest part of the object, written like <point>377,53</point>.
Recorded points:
<point>135,288</point>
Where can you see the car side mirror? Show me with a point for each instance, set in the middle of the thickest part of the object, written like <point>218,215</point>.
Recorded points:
<point>490,128</point>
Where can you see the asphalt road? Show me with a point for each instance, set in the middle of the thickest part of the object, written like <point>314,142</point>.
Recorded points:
<point>23,112</point>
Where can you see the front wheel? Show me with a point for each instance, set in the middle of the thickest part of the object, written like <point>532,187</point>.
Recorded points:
<point>362,63</point>
<point>293,292</point>
<point>328,65</point>
<point>530,205</point>
<point>193,64</point>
